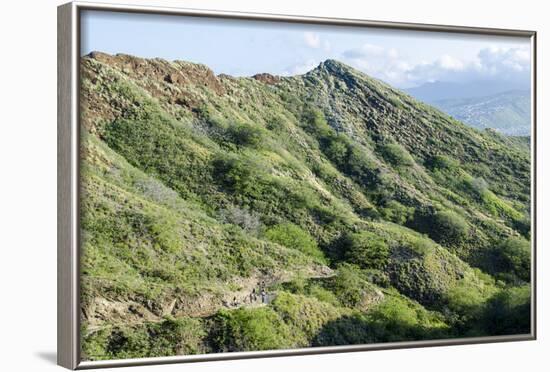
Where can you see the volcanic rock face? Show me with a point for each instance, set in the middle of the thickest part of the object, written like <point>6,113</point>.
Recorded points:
<point>267,78</point>
<point>230,214</point>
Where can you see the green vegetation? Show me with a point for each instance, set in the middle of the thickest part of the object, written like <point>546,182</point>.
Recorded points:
<point>349,286</point>
<point>508,312</point>
<point>229,214</point>
<point>396,155</point>
<point>442,162</point>
<point>448,228</point>
<point>251,329</point>
<point>181,336</point>
<point>512,259</point>
<point>294,237</point>
<point>245,135</point>
<point>367,250</point>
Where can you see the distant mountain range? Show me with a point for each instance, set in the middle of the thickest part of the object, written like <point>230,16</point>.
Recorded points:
<point>505,107</point>
<point>508,113</point>
<point>440,90</point>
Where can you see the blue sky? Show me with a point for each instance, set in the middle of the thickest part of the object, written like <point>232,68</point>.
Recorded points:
<point>242,48</point>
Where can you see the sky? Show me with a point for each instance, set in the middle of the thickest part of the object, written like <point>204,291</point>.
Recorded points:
<point>403,59</point>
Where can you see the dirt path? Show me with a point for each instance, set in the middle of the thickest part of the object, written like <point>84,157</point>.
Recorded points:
<point>102,312</point>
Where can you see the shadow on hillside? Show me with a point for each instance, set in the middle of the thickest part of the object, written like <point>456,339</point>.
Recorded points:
<point>358,329</point>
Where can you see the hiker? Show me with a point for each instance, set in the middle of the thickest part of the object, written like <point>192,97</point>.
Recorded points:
<point>253,296</point>
<point>264,297</point>
<point>234,301</point>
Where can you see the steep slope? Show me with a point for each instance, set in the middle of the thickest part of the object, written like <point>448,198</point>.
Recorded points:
<point>354,204</point>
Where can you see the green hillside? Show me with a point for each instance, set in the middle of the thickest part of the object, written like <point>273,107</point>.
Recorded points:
<point>363,214</point>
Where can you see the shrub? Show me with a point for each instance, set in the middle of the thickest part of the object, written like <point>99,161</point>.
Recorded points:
<point>442,162</point>
<point>463,305</point>
<point>498,207</point>
<point>250,330</point>
<point>396,155</point>
<point>305,315</point>
<point>235,173</point>
<point>294,237</point>
<point>366,250</point>
<point>513,256</point>
<point>399,319</point>
<point>397,212</point>
<point>246,135</point>
<point>245,219</point>
<point>172,336</point>
<point>127,343</point>
<point>291,101</point>
<point>315,123</point>
<point>155,190</point>
<point>337,150</point>
<point>182,336</point>
<point>479,186</point>
<point>395,319</point>
<point>361,165</point>
<point>203,111</point>
<point>508,312</point>
<point>297,285</point>
<point>418,277</point>
<point>523,226</point>
<point>348,285</point>
<point>323,295</point>
<point>448,228</point>
<point>346,330</point>
<point>275,124</point>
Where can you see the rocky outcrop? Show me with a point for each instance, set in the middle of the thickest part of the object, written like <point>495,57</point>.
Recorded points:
<point>267,78</point>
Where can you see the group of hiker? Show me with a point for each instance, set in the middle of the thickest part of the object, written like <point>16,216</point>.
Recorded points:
<point>258,292</point>
<point>263,293</point>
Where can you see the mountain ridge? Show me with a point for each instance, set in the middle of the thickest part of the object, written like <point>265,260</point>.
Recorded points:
<point>338,191</point>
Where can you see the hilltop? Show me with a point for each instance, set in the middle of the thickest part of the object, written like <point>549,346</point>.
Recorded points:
<point>354,205</point>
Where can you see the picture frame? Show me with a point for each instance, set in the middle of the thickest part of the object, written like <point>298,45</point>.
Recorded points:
<point>69,173</point>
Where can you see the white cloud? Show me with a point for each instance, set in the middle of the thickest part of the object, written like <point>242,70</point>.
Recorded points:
<point>300,68</point>
<point>450,63</point>
<point>369,50</point>
<point>378,61</point>
<point>388,64</point>
<point>312,40</point>
<point>502,60</point>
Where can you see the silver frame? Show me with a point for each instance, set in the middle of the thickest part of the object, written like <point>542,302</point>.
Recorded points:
<point>68,210</point>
